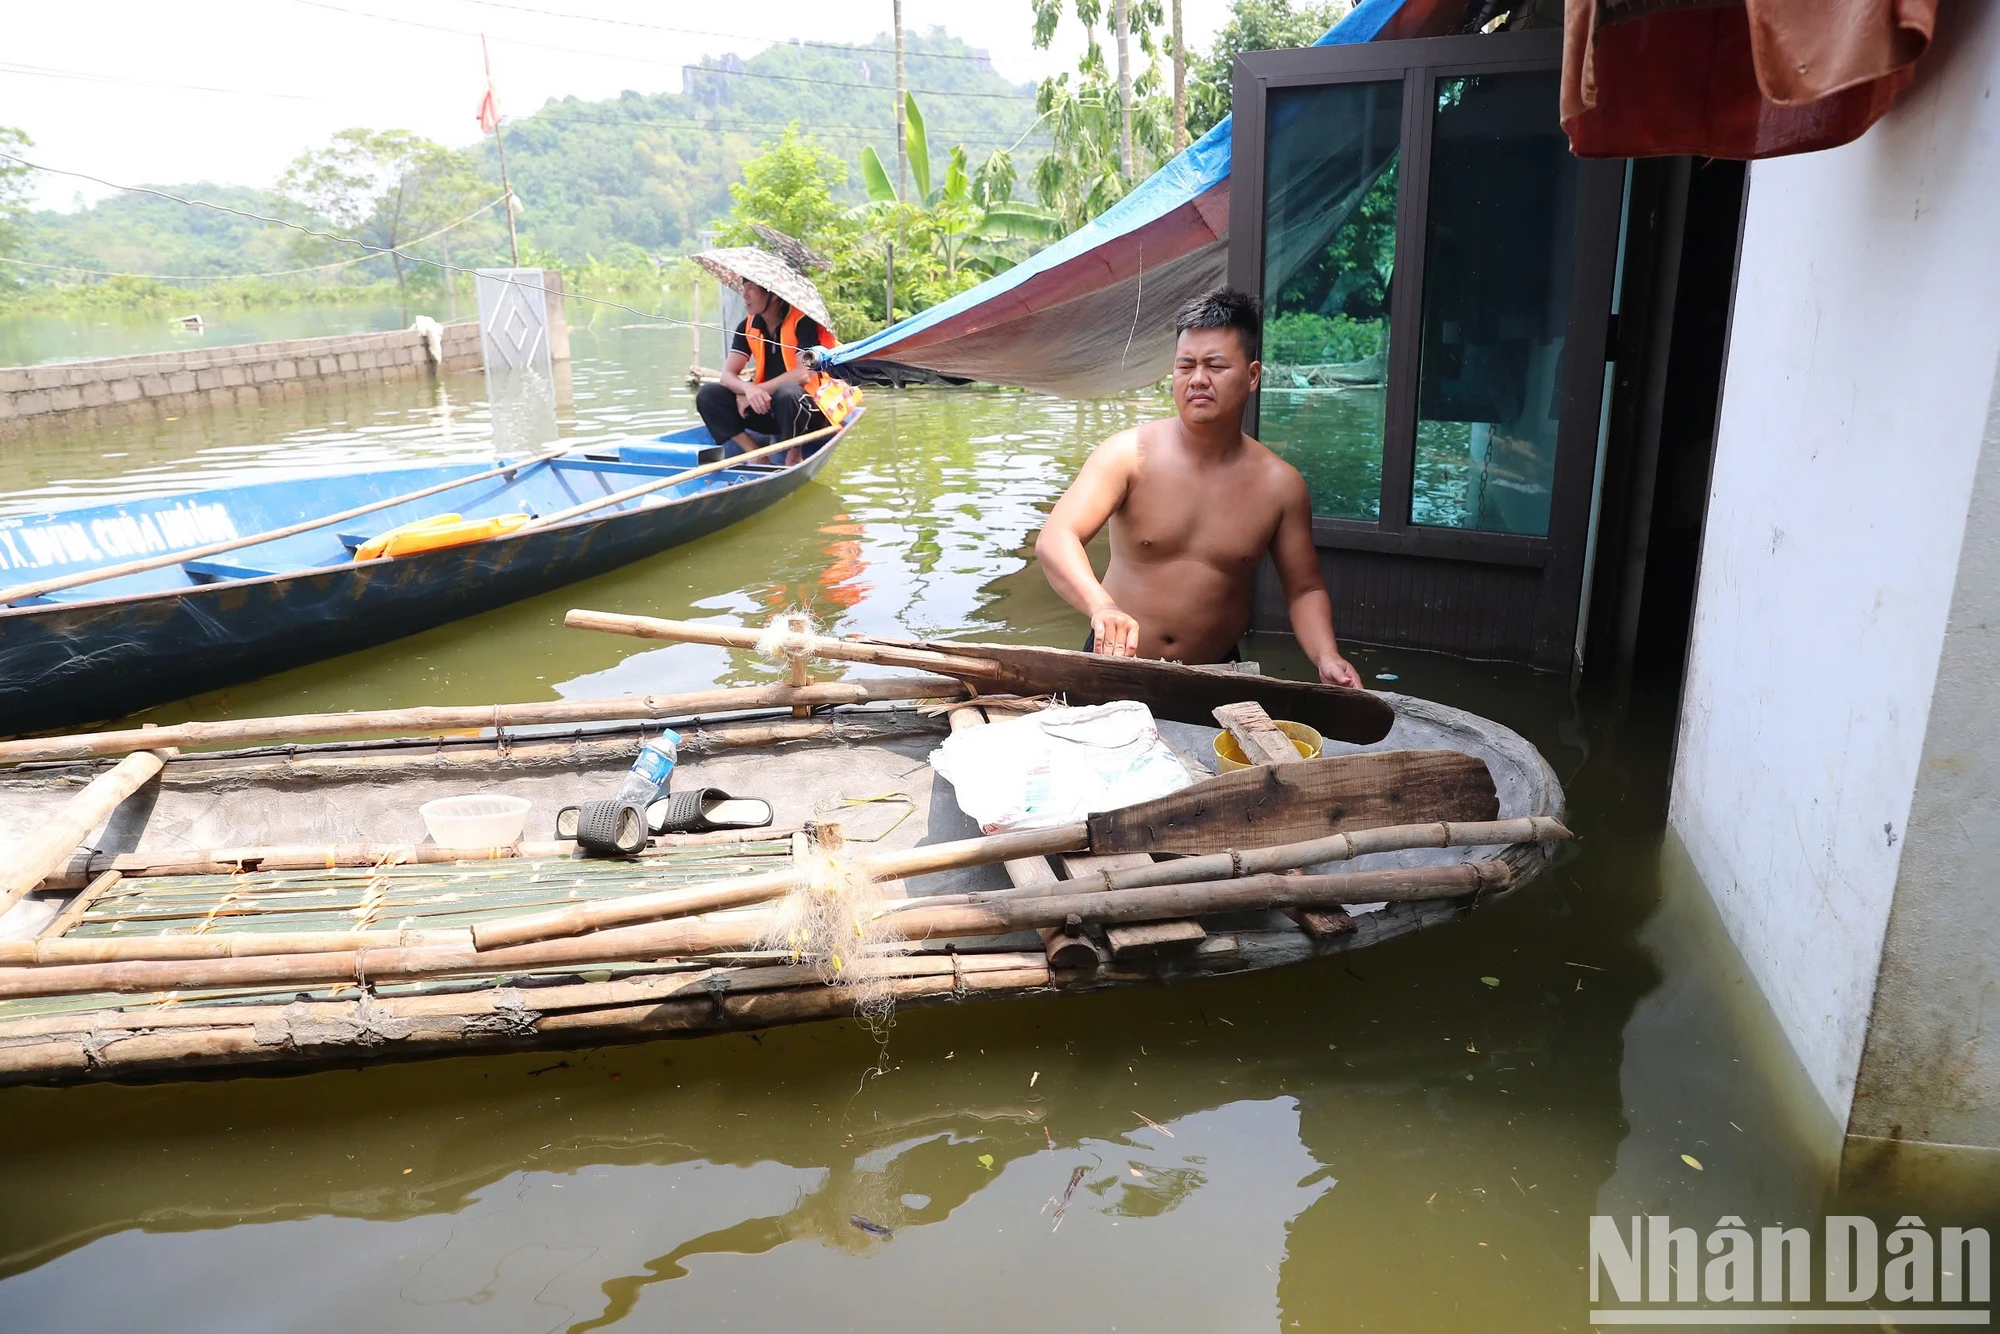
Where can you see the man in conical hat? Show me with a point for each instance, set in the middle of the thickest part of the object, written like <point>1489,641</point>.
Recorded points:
<point>772,353</point>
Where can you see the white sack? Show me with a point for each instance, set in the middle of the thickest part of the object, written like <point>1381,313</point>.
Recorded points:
<point>1059,765</point>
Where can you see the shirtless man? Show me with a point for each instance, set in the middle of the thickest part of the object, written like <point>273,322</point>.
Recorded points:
<point>1194,504</point>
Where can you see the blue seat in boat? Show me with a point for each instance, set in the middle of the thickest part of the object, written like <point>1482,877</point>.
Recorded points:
<point>214,571</point>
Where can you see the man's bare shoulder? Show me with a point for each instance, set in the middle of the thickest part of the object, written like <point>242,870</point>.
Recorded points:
<point>1270,466</point>
<point>1120,450</point>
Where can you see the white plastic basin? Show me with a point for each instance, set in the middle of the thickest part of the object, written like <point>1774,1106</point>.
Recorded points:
<point>478,820</point>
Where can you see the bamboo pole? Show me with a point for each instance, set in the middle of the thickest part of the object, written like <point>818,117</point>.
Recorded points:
<point>604,913</point>
<point>235,1038</point>
<point>45,952</point>
<point>812,646</point>
<point>991,915</point>
<point>1336,848</point>
<point>695,980</point>
<point>432,719</point>
<point>660,484</point>
<point>71,914</point>
<point>331,856</point>
<point>49,847</point>
<point>1063,949</point>
<point>119,571</point>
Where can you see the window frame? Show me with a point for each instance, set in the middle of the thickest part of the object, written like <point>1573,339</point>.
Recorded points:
<point>1420,64</point>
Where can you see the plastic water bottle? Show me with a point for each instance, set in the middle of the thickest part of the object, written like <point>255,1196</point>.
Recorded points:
<point>647,778</point>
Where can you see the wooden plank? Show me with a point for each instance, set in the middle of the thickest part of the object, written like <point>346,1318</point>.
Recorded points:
<point>1271,804</point>
<point>1264,743</point>
<point>1150,940</point>
<point>1260,738</point>
<point>1181,693</point>
<point>1062,948</point>
<point>1139,940</point>
<point>1322,923</point>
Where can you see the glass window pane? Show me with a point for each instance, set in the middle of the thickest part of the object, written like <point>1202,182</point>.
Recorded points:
<point>1329,254</point>
<point>1499,242</point>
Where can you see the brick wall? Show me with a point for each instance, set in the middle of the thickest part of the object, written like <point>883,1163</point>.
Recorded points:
<point>118,389</point>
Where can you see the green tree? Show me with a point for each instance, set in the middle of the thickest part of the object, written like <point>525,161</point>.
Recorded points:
<point>13,184</point>
<point>1083,173</point>
<point>1254,25</point>
<point>789,185</point>
<point>389,188</point>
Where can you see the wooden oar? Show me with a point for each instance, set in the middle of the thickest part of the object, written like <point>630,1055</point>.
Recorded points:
<point>1170,689</point>
<point>1250,808</point>
<point>457,718</point>
<point>660,484</point>
<point>119,571</point>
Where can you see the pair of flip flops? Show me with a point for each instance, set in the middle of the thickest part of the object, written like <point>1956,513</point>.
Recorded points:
<point>618,828</point>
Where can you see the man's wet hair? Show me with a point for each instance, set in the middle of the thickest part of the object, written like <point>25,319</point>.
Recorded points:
<point>1225,308</point>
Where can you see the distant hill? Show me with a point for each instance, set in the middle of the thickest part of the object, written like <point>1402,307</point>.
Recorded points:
<point>643,169</point>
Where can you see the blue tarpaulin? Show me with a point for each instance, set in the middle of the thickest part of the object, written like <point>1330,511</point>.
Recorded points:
<point>1093,313</point>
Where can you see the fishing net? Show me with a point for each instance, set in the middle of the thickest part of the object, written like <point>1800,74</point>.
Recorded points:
<point>832,922</point>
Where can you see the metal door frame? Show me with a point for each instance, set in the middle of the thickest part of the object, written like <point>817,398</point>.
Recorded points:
<point>1419,63</point>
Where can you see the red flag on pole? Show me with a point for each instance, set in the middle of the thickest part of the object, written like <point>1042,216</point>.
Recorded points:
<point>489,106</point>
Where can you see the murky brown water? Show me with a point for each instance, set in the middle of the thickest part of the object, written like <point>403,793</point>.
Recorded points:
<point>1382,1141</point>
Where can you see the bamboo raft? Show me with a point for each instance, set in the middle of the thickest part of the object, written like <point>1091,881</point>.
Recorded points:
<point>274,906</point>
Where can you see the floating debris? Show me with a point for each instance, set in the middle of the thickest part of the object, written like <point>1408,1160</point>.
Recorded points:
<point>870,1226</point>
<point>1154,1124</point>
<point>1062,1205</point>
<point>1692,1161</point>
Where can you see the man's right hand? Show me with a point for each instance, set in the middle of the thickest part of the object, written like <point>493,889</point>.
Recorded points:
<point>1113,633</point>
<point>758,398</point>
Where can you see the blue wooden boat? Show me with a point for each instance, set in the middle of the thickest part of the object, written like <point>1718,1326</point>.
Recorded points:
<point>102,649</point>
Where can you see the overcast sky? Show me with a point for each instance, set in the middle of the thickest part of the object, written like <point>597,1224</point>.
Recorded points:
<point>115,88</point>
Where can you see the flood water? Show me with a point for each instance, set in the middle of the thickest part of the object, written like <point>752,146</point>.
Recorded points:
<point>1407,1138</point>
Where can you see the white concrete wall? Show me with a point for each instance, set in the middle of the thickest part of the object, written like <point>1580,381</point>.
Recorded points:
<point>1931,1070</point>
<point>1862,353</point>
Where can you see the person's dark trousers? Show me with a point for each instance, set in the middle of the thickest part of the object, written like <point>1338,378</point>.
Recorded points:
<point>792,413</point>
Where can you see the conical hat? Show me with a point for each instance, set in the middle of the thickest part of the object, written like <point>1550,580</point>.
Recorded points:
<point>790,248</point>
<point>739,264</point>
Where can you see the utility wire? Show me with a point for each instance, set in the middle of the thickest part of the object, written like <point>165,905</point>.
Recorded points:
<point>229,277</point>
<point>731,36</point>
<point>645,60</point>
<point>810,129</point>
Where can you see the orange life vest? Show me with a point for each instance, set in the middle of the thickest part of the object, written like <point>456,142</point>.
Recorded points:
<point>836,398</point>
<point>788,345</point>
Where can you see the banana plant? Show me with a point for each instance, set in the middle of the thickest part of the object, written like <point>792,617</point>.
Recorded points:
<point>967,216</point>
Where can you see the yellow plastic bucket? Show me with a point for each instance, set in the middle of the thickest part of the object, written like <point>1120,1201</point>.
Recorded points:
<point>1229,755</point>
<point>439,530</point>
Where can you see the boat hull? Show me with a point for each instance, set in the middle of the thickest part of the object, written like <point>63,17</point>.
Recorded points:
<point>338,792</point>
<point>69,663</point>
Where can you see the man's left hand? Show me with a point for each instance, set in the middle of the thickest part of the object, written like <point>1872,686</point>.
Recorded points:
<point>1338,671</point>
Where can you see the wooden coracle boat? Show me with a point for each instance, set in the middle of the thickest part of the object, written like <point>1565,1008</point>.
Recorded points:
<point>276,908</point>
<point>156,599</point>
